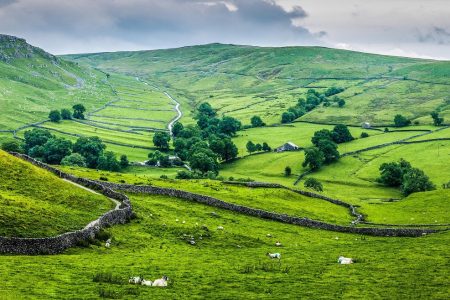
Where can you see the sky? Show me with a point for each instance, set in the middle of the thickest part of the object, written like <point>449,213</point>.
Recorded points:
<point>414,28</point>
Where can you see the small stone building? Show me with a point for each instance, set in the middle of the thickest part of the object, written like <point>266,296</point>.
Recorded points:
<point>289,146</point>
<point>366,125</point>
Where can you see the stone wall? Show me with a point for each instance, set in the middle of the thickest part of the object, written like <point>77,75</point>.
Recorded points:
<point>57,244</point>
<point>144,189</point>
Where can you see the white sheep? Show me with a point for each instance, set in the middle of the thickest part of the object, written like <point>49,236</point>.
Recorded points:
<point>108,243</point>
<point>278,244</point>
<point>146,282</point>
<point>219,227</point>
<point>161,282</point>
<point>274,255</point>
<point>135,280</point>
<point>269,235</point>
<point>345,260</point>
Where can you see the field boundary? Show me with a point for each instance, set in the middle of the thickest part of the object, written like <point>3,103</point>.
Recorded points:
<point>57,244</point>
<point>283,218</point>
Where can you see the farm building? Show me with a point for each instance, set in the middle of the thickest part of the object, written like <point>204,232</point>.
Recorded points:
<point>366,125</point>
<point>289,146</point>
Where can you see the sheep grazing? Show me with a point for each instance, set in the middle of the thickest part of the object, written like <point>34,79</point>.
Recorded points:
<point>146,282</point>
<point>274,255</point>
<point>162,282</point>
<point>135,280</point>
<point>278,244</point>
<point>269,235</point>
<point>192,242</point>
<point>219,227</point>
<point>108,243</point>
<point>345,260</point>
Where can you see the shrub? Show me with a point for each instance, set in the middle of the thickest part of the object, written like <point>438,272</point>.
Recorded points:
<point>401,121</point>
<point>54,116</point>
<point>66,114</point>
<point>257,122</point>
<point>163,176</point>
<point>124,161</point>
<point>103,178</point>
<point>12,146</point>
<point>287,171</point>
<point>74,159</point>
<point>341,102</point>
<point>364,135</point>
<point>415,181</point>
<point>313,184</point>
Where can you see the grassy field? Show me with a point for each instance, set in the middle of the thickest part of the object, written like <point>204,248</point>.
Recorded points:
<point>232,263</point>
<point>35,203</point>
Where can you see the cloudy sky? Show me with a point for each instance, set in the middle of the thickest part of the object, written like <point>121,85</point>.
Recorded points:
<point>417,28</point>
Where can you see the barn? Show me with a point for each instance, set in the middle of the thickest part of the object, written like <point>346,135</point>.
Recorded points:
<point>289,146</point>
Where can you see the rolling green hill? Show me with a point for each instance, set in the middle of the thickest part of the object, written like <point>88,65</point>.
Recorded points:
<point>36,203</point>
<point>243,81</point>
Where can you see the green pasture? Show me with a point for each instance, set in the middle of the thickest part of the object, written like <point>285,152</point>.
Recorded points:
<point>35,203</point>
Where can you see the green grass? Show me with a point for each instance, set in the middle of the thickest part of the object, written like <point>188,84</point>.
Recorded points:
<point>35,203</point>
<point>217,268</point>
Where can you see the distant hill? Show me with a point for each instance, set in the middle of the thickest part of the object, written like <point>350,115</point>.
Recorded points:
<point>36,203</point>
<point>243,80</point>
<point>33,82</point>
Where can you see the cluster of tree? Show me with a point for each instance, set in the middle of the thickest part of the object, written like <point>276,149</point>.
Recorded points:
<point>66,114</point>
<point>401,121</point>
<point>313,99</point>
<point>86,152</point>
<point>402,174</point>
<point>325,146</point>
<point>252,147</point>
<point>203,145</point>
<point>437,121</point>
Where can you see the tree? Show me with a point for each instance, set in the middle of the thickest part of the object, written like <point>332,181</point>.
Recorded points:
<point>333,91</point>
<point>436,119</point>
<point>251,147</point>
<point>256,121</point>
<point>415,181</point>
<point>54,116</point>
<point>364,135</point>
<point>341,102</point>
<point>314,158</point>
<point>229,150</point>
<point>341,134</point>
<point>78,111</point>
<point>258,147</point>
<point>12,146</point>
<point>66,114</point>
<point>107,161</point>
<point>329,150</point>
<point>401,121</point>
<point>314,184</point>
<point>391,174</point>
<point>287,117</point>
<point>323,134</point>
<point>154,158</point>
<point>287,171</point>
<point>266,147</point>
<point>177,129</point>
<point>74,159</point>
<point>161,140</point>
<point>55,149</point>
<point>229,126</point>
<point>206,110</point>
<point>203,163</point>
<point>124,161</point>
<point>36,137</point>
<point>91,148</point>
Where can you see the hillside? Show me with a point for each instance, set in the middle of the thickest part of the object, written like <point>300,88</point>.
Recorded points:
<point>242,81</point>
<point>36,203</point>
<point>33,82</point>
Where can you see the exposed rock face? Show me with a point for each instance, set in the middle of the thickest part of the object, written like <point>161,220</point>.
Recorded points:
<point>12,48</point>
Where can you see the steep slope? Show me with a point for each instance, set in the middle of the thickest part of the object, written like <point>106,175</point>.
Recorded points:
<point>242,81</point>
<point>36,203</point>
<point>33,82</point>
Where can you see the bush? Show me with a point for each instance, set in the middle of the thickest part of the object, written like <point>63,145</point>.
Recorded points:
<point>163,176</point>
<point>364,135</point>
<point>54,116</point>
<point>287,171</point>
<point>313,184</point>
<point>415,181</point>
<point>74,159</point>
<point>103,178</point>
<point>12,146</point>
<point>66,114</point>
<point>401,121</point>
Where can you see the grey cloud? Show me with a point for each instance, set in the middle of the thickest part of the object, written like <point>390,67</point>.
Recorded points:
<point>144,24</point>
<point>6,2</point>
<point>437,35</point>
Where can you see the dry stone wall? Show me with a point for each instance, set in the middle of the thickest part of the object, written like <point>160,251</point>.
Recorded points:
<point>59,243</point>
